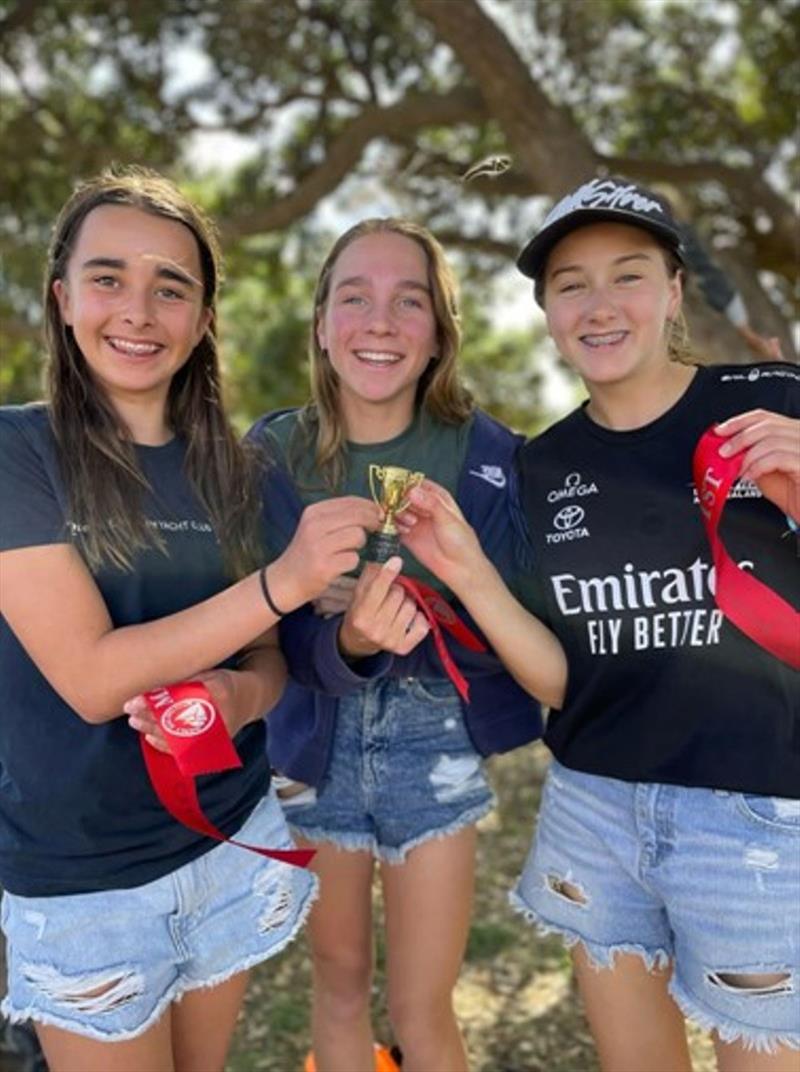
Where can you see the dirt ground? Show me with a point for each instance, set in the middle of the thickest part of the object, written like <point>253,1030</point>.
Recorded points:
<point>515,1000</point>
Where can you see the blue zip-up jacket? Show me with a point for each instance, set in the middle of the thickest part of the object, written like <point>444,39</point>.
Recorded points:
<point>500,715</point>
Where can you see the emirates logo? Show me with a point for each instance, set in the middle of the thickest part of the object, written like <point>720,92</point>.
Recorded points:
<point>188,718</point>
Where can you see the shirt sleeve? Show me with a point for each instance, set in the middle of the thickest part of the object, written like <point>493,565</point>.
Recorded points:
<point>30,511</point>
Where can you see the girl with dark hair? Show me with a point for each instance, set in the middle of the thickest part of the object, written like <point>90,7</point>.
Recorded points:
<point>668,844</point>
<point>383,755</point>
<point>128,513</point>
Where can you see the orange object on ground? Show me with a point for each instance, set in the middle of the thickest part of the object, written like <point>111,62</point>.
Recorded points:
<point>384,1062</point>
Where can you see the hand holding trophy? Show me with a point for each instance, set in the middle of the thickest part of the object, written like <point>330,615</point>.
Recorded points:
<point>395,484</point>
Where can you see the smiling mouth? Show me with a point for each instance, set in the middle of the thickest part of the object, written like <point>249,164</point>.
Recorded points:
<point>130,348</point>
<point>378,358</point>
<point>609,338</point>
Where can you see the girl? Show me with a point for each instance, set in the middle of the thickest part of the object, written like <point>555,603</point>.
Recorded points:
<point>668,845</point>
<point>127,508</point>
<point>389,756</point>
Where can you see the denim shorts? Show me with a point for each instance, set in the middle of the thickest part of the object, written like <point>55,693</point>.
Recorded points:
<point>403,770</point>
<point>144,947</point>
<point>704,879</point>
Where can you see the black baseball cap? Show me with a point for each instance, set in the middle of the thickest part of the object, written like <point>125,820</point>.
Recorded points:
<point>610,199</point>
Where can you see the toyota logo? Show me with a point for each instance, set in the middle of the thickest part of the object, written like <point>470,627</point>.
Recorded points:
<point>568,517</point>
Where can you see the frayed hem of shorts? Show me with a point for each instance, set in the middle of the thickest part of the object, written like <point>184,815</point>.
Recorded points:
<point>389,854</point>
<point>757,1039</point>
<point>173,995</point>
<point>600,956</point>
<point>395,857</point>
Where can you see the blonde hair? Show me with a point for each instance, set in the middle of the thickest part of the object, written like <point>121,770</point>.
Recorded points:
<point>440,392</point>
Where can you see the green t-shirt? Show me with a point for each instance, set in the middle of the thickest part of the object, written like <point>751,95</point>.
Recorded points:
<point>428,446</point>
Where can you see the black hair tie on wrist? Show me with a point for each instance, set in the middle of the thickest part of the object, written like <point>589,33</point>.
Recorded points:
<point>262,576</point>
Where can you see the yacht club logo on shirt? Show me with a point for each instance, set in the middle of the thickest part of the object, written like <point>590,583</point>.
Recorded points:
<point>567,522</point>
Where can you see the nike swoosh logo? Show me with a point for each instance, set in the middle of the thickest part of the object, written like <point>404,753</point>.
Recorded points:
<point>497,480</point>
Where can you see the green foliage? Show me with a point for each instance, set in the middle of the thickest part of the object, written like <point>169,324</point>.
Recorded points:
<point>89,82</point>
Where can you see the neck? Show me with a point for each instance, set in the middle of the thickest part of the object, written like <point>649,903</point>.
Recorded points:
<point>625,406</point>
<point>369,423</point>
<point>145,420</point>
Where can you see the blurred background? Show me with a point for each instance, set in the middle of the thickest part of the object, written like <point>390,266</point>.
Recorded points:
<point>291,119</point>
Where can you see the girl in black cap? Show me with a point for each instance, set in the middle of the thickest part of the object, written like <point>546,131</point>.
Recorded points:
<point>668,844</point>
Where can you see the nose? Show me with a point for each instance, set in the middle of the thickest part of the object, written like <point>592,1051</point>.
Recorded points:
<point>139,308</point>
<point>600,306</point>
<point>381,319</point>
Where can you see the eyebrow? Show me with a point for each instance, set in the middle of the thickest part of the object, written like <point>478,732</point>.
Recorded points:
<point>619,260</point>
<point>362,280</point>
<point>163,271</point>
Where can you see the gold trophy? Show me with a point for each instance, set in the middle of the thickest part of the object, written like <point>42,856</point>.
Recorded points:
<point>395,484</point>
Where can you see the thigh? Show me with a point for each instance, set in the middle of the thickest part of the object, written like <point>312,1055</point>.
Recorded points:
<point>340,925</point>
<point>731,885</point>
<point>424,778</point>
<point>636,1025</point>
<point>68,1052</point>
<point>203,1023</point>
<point>428,903</point>
<point>582,876</point>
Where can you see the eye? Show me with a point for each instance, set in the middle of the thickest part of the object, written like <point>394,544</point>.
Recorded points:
<point>629,277</point>
<point>353,299</point>
<point>568,288</point>
<point>411,303</point>
<point>171,294</point>
<point>105,280</point>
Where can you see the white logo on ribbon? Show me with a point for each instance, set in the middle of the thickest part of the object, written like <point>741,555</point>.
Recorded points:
<point>188,718</point>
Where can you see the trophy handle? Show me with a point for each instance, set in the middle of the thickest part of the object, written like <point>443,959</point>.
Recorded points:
<point>375,471</point>
<point>413,480</point>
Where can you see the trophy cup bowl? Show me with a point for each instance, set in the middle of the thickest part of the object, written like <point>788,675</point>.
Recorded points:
<point>389,486</point>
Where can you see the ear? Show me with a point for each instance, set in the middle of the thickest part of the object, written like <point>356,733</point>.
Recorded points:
<point>61,292</point>
<point>319,329</point>
<point>202,324</point>
<point>675,295</point>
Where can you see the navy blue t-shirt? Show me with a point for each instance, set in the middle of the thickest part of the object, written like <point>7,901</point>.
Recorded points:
<point>77,812</point>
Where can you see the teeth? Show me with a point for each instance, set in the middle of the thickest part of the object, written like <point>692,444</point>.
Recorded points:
<point>604,340</point>
<point>138,348</point>
<point>377,357</point>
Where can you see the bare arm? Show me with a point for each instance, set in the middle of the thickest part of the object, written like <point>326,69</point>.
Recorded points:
<point>435,531</point>
<point>242,696</point>
<point>54,607</point>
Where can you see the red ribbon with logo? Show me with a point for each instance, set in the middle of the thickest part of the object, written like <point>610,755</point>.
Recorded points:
<point>760,613</point>
<point>440,616</point>
<point>199,743</point>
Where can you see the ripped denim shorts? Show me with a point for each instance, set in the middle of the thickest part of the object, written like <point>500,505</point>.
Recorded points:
<point>704,879</point>
<point>107,964</point>
<point>402,771</point>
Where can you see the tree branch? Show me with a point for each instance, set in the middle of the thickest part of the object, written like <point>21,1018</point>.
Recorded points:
<point>411,113</point>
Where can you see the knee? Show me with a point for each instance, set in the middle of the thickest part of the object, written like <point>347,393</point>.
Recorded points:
<point>342,981</point>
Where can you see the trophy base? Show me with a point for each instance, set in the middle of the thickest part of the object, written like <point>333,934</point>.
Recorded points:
<point>381,546</point>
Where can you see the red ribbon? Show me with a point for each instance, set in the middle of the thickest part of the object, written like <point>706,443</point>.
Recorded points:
<point>760,613</point>
<point>441,615</point>
<point>199,743</point>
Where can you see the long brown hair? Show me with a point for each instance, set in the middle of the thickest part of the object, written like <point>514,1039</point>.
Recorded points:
<point>440,392</point>
<point>97,457</point>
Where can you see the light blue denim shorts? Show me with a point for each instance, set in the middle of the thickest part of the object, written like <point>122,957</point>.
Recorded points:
<point>403,770</point>
<point>144,947</point>
<point>704,879</point>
